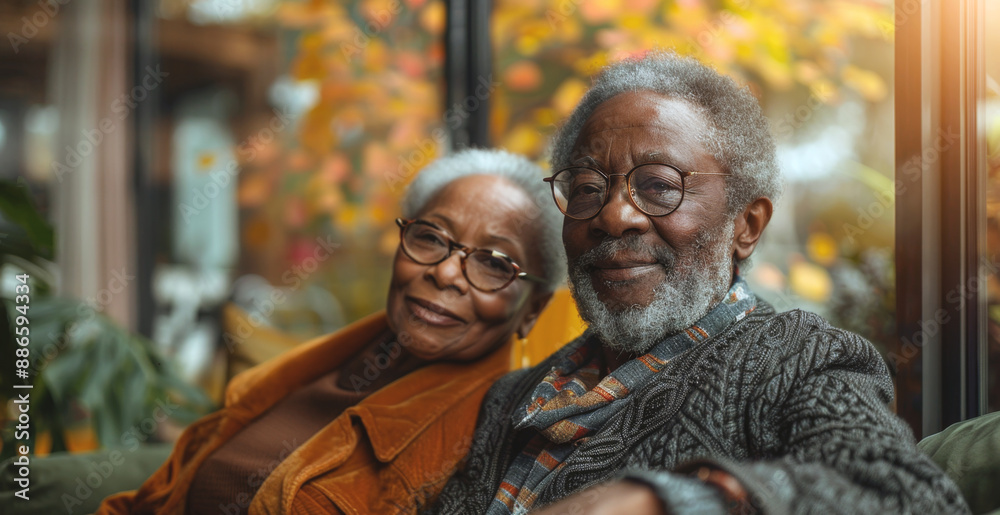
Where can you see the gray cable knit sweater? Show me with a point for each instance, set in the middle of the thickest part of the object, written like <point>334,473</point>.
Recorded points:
<point>793,407</point>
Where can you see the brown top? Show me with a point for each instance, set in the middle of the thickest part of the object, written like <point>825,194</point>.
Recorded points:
<point>228,479</point>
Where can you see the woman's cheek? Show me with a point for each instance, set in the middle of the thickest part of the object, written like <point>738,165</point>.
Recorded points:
<point>498,315</point>
<point>507,305</point>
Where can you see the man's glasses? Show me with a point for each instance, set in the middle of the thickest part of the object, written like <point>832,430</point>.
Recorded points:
<point>656,189</point>
<point>485,269</point>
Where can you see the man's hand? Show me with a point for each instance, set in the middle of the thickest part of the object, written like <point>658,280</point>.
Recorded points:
<point>618,497</point>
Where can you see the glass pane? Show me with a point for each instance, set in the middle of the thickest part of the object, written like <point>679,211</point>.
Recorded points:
<point>823,74</point>
<point>279,136</point>
<point>991,141</point>
<point>281,157</point>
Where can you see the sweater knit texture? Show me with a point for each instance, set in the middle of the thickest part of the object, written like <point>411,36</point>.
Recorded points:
<point>795,409</point>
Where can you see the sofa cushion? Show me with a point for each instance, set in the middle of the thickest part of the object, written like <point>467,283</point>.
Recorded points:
<point>77,483</point>
<point>969,452</point>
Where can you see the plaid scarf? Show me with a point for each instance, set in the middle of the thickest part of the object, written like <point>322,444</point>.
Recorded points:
<point>573,400</point>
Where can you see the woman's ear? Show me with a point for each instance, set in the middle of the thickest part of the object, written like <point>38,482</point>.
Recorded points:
<point>750,225</point>
<point>537,302</point>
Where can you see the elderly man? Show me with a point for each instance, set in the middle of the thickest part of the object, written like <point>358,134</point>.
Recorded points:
<point>688,394</point>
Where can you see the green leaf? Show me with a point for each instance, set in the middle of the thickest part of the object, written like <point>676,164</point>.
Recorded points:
<point>87,361</point>
<point>17,207</point>
<point>134,389</point>
<point>65,372</point>
<point>108,426</point>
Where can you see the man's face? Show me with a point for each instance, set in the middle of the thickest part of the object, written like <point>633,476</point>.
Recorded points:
<point>635,277</point>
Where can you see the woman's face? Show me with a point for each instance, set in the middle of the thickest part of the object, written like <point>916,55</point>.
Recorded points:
<point>433,310</point>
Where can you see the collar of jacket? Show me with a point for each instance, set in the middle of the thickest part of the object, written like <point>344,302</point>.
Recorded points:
<point>394,415</point>
<point>259,388</point>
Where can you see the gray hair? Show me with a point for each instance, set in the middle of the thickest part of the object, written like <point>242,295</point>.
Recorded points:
<point>738,137</point>
<point>518,170</point>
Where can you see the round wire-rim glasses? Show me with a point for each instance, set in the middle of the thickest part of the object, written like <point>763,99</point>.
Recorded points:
<point>491,270</point>
<point>660,189</point>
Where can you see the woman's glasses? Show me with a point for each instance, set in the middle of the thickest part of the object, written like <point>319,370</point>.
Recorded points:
<point>485,269</point>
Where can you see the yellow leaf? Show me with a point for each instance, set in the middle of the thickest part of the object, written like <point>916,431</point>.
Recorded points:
<point>590,65</point>
<point>871,87</point>
<point>568,96</point>
<point>376,56</point>
<point>528,45</point>
<point>205,161</point>
<point>347,217</point>
<point>433,18</point>
<point>810,281</point>
<point>524,139</point>
<point>546,116</point>
<point>822,248</point>
<point>389,242</point>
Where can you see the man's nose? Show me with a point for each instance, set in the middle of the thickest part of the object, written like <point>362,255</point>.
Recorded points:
<point>619,216</point>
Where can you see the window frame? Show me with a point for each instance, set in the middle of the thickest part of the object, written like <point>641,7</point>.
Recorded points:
<point>939,79</point>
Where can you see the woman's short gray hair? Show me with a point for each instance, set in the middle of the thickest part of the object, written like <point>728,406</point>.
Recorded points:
<point>738,138</point>
<point>518,170</point>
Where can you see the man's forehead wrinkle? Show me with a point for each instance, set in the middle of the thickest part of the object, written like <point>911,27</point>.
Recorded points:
<point>586,153</point>
<point>621,127</point>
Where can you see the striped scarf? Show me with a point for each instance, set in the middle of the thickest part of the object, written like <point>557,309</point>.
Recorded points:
<point>573,400</point>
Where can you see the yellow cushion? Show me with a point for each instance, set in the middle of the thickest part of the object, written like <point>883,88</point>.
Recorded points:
<point>558,325</point>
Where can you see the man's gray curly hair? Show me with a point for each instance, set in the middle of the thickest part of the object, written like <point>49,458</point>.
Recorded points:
<point>518,170</point>
<point>738,137</point>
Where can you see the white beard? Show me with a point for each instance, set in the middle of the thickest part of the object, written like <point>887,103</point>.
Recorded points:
<point>692,288</point>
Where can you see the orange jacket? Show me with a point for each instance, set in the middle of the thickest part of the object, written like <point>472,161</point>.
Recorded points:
<point>391,453</point>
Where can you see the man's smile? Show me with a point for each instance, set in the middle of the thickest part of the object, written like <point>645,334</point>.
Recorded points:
<point>612,272</point>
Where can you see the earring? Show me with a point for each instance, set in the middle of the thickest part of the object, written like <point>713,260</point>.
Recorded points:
<point>523,344</point>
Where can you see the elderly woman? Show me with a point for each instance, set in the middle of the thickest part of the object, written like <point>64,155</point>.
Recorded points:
<point>376,417</point>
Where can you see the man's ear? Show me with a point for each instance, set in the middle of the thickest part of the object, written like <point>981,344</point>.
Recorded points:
<point>538,301</point>
<point>750,226</point>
